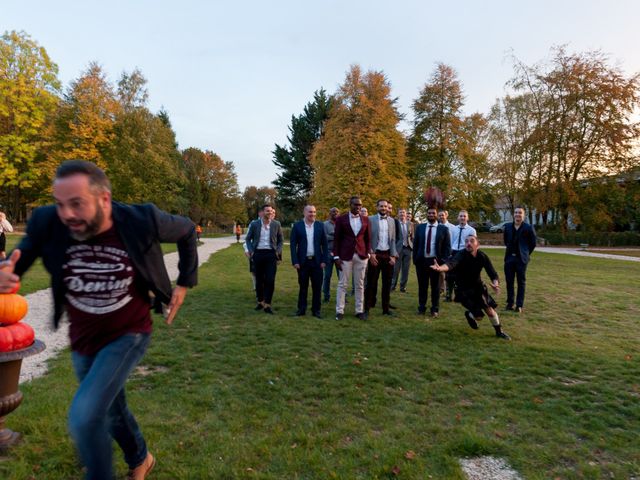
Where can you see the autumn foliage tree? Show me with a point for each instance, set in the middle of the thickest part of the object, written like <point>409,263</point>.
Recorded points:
<point>211,188</point>
<point>576,117</point>
<point>447,149</point>
<point>362,152</point>
<point>28,97</point>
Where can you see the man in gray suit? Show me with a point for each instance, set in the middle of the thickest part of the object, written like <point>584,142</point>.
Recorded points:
<point>329,230</point>
<point>264,242</point>
<point>383,257</point>
<point>404,246</point>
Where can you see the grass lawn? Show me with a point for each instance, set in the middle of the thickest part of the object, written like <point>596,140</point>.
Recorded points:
<point>231,393</point>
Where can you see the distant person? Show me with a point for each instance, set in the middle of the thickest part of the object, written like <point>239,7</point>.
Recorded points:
<point>105,258</point>
<point>309,256</point>
<point>520,240</point>
<point>471,292</point>
<point>405,244</point>
<point>198,231</point>
<point>238,232</point>
<point>264,241</point>
<point>5,226</point>
<point>329,230</point>
<point>431,245</point>
<point>351,245</point>
<point>459,235</point>
<point>443,219</point>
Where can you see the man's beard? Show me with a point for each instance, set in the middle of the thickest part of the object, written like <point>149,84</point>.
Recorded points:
<point>93,226</point>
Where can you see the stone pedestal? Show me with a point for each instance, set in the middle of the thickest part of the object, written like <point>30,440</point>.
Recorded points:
<point>10,395</point>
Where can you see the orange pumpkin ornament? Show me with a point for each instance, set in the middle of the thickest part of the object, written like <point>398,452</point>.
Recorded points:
<point>13,308</point>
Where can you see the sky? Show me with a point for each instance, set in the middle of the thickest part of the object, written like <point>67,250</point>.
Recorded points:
<point>231,74</point>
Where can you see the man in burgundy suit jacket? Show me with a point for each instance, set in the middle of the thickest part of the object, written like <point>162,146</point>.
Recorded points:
<point>351,244</point>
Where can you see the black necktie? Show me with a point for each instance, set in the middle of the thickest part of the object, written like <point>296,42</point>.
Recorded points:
<point>459,237</point>
<point>429,240</point>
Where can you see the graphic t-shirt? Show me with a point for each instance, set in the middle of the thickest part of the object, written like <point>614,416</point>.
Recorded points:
<point>102,297</point>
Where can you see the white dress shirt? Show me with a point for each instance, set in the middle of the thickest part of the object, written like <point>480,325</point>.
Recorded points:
<point>265,237</point>
<point>459,236</point>
<point>309,228</point>
<point>356,223</point>
<point>432,249</point>
<point>383,234</point>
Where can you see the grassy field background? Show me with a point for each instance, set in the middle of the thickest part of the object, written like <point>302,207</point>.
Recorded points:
<point>231,393</point>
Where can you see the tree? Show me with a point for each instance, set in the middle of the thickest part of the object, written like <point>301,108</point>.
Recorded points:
<point>28,96</point>
<point>294,182</point>
<point>435,139</point>
<point>212,186</point>
<point>255,197</point>
<point>86,118</point>
<point>447,149</point>
<point>361,152</point>
<point>583,109</point>
<point>143,161</point>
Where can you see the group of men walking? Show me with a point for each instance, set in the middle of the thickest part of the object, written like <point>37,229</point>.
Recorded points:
<point>368,250</point>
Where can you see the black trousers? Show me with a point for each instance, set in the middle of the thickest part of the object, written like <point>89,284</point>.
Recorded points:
<point>385,268</point>
<point>427,276</point>
<point>266,264</point>
<point>514,268</point>
<point>309,270</point>
<point>451,277</point>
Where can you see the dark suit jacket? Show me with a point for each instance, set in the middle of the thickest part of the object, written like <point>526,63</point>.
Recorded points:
<point>526,242</point>
<point>299,243</point>
<point>346,244</point>
<point>443,243</point>
<point>253,236</point>
<point>141,228</point>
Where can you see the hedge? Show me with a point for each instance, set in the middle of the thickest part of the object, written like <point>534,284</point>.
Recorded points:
<point>599,239</point>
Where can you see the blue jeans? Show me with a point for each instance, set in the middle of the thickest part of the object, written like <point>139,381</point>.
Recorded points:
<point>99,409</point>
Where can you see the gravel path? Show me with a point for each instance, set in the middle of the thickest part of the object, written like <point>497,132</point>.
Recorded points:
<point>576,251</point>
<point>41,312</point>
<point>488,468</point>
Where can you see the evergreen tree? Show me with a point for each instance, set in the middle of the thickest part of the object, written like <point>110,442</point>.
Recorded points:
<point>295,180</point>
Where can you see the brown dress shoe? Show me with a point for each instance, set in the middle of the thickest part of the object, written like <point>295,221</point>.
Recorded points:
<point>142,470</point>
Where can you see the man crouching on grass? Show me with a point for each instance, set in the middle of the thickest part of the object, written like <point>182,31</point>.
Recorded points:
<point>104,258</point>
<point>470,289</point>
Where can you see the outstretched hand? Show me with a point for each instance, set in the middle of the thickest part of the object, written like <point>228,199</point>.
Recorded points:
<point>177,297</point>
<point>435,266</point>
<point>8,279</point>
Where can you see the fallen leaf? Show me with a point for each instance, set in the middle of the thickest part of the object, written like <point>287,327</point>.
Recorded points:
<point>410,455</point>
<point>458,417</point>
<point>500,434</point>
<point>628,357</point>
<point>538,400</point>
<point>395,470</point>
<point>357,361</point>
<point>295,445</point>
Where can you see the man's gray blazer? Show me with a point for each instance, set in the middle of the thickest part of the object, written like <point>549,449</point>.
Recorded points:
<point>374,227</point>
<point>253,236</point>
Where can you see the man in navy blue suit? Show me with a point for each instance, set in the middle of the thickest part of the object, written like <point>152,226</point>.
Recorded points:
<point>432,244</point>
<point>309,256</point>
<point>520,240</point>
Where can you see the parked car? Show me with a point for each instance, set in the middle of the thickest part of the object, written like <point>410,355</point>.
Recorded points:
<point>481,226</point>
<point>499,228</point>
